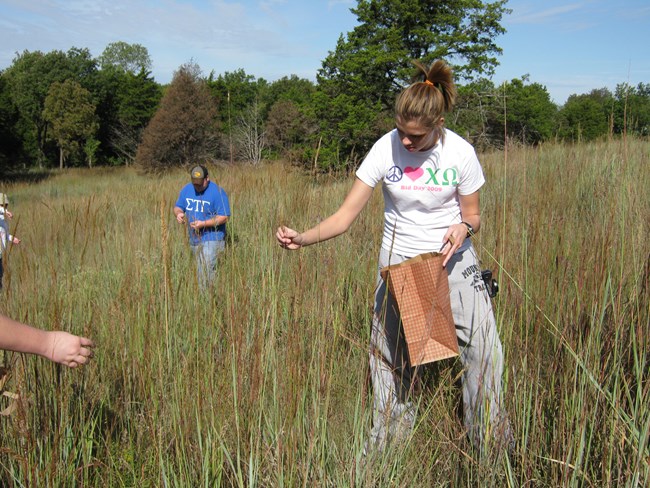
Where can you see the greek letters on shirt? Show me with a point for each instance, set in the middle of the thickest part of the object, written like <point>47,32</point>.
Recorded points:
<point>194,205</point>
<point>426,179</point>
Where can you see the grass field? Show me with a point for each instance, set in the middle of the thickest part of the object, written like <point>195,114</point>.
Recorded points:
<point>263,381</point>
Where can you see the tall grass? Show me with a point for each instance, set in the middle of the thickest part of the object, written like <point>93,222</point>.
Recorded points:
<point>262,381</point>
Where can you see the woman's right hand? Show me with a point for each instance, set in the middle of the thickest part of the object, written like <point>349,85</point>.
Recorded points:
<point>288,238</point>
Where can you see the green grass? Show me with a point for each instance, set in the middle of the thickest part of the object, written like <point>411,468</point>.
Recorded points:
<point>264,380</point>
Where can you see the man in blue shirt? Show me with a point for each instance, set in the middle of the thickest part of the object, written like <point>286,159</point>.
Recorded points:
<point>203,206</point>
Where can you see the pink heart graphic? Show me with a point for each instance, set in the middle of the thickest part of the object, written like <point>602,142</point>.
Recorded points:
<point>413,173</point>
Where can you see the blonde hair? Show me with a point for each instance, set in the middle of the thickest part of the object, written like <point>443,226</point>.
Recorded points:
<point>426,101</point>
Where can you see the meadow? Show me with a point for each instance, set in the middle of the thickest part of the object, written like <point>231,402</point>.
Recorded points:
<point>263,381</point>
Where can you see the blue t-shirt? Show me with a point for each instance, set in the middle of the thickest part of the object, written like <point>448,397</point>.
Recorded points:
<point>204,205</point>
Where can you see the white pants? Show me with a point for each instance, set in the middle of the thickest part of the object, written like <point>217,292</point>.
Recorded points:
<point>480,354</point>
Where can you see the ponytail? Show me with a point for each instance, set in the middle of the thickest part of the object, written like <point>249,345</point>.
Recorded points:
<point>428,99</point>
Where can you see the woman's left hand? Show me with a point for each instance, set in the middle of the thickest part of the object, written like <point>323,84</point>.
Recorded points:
<point>453,239</point>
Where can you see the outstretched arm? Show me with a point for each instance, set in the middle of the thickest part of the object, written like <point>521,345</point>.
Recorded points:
<point>58,346</point>
<point>334,225</point>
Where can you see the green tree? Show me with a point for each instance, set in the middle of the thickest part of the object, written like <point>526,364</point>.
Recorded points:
<point>289,88</point>
<point>9,139</point>
<point>347,128</point>
<point>290,121</point>
<point>586,117</point>
<point>70,110</point>
<point>183,129</point>
<point>129,97</point>
<point>82,68</point>
<point>478,114</point>
<point>30,77</point>
<point>128,102</point>
<point>529,112</point>
<point>632,109</point>
<point>90,150</point>
<point>131,58</point>
<point>366,70</point>
<point>392,33</point>
<point>287,129</point>
<point>234,94</point>
<point>235,91</point>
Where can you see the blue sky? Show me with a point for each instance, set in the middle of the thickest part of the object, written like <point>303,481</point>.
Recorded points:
<point>569,47</point>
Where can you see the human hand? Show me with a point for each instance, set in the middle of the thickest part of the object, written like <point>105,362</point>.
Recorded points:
<point>8,214</point>
<point>288,238</point>
<point>180,217</point>
<point>68,349</point>
<point>15,240</point>
<point>452,241</point>
<point>197,224</point>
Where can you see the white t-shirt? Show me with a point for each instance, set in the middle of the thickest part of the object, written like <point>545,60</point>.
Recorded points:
<point>4,235</point>
<point>421,189</point>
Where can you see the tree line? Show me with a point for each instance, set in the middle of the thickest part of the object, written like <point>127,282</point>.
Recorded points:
<point>70,109</point>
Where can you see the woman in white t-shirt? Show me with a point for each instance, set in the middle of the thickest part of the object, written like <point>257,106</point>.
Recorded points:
<point>430,179</point>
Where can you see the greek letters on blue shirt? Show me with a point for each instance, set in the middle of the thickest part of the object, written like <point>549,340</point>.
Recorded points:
<point>211,202</point>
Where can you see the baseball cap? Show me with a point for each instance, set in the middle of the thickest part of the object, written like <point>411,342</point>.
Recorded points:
<point>199,173</point>
<point>4,199</point>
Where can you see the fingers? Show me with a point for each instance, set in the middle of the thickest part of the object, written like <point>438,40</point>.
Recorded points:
<point>451,243</point>
<point>447,258</point>
<point>284,235</point>
<point>86,353</point>
<point>70,350</point>
<point>83,357</point>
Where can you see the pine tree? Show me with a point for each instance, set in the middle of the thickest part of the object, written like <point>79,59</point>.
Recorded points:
<point>183,130</point>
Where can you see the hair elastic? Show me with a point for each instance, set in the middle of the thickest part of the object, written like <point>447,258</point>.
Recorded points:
<point>429,82</point>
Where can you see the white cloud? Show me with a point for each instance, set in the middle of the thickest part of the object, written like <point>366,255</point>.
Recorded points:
<point>527,14</point>
<point>214,34</point>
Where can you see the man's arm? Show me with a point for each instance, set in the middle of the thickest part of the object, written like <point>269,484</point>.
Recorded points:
<point>180,215</point>
<point>58,346</point>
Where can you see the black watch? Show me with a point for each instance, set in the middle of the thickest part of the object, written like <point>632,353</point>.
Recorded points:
<point>470,229</point>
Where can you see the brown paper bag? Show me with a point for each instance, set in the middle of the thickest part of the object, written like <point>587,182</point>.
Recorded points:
<point>421,289</point>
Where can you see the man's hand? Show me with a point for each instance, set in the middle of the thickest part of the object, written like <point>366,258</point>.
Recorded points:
<point>68,349</point>
<point>180,217</point>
